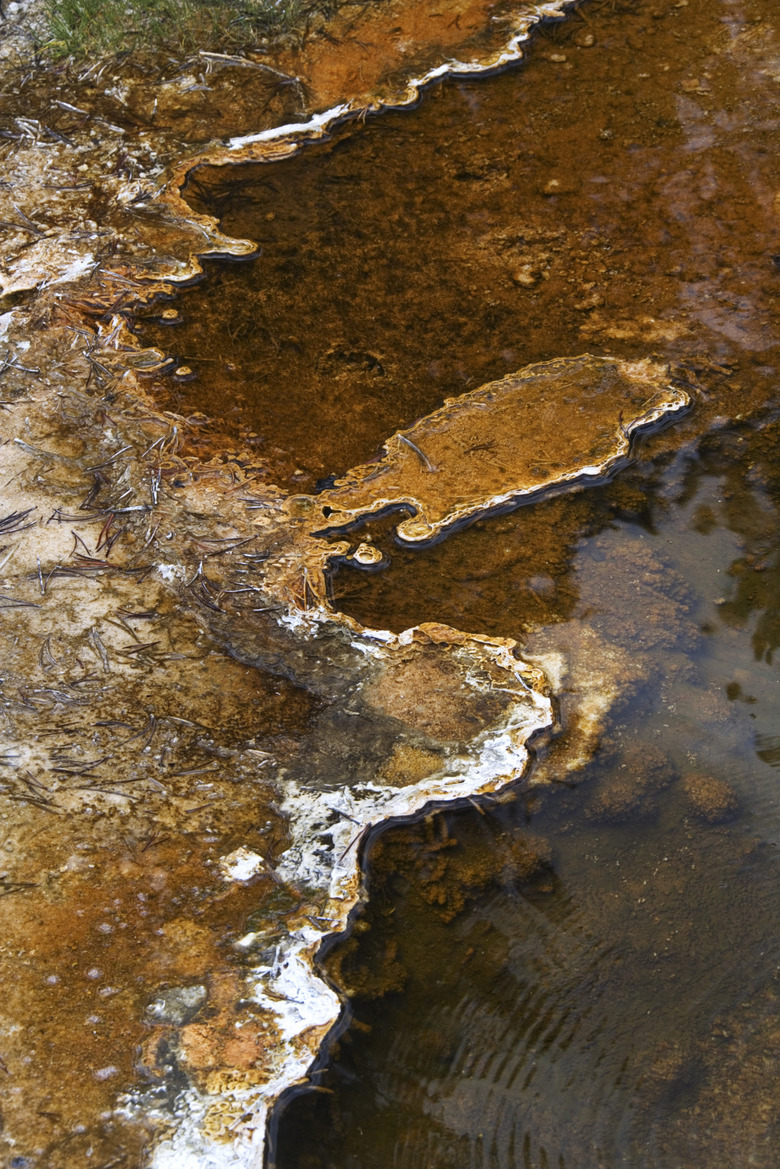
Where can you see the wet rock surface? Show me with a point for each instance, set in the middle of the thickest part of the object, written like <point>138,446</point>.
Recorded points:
<point>181,698</point>
<point>460,707</point>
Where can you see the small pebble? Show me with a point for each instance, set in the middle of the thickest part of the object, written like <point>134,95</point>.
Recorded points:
<point>526,276</point>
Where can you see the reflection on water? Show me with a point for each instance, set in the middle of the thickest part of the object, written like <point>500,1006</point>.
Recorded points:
<point>618,1008</point>
<point>589,976</point>
<point>750,497</point>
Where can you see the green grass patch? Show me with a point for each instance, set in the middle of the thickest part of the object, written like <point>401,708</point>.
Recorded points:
<point>97,28</point>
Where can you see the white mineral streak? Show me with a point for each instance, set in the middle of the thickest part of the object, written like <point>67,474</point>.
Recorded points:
<point>324,857</point>
<point>492,759</point>
<point>6,320</point>
<point>316,124</point>
<point>241,865</point>
<point>79,266</point>
<point>189,1149</point>
<point>320,124</point>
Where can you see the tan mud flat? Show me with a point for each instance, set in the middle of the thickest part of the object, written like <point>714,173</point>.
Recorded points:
<point>543,427</point>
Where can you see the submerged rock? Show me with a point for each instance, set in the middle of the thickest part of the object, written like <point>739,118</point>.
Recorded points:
<point>711,799</point>
<point>628,789</point>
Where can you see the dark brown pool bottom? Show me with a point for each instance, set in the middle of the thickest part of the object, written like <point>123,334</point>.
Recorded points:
<point>617,200</point>
<point>614,1002</point>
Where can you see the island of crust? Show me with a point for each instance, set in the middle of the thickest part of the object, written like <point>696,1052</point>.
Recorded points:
<point>545,426</point>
